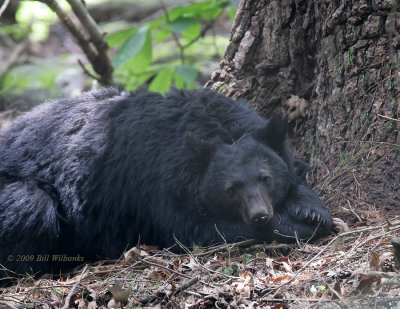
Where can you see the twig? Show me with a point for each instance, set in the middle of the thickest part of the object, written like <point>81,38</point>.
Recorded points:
<point>176,39</point>
<point>388,118</point>
<point>185,285</point>
<point>71,292</point>
<point>278,300</point>
<point>102,64</point>
<point>244,243</point>
<point>352,210</point>
<point>85,70</point>
<point>334,292</point>
<point>98,59</point>
<point>182,246</point>
<point>226,244</point>
<point>4,6</point>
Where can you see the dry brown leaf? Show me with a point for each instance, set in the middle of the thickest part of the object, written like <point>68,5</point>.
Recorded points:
<point>119,294</point>
<point>366,281</point>
<point>374,261</point>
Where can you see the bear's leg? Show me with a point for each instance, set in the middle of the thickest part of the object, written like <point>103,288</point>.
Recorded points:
<point>305,206</point>
<point>29,227</point>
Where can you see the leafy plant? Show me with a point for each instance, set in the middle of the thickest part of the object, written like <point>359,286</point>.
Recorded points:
<point>229,269</point>
<point>139,55</point>
<point>246,258</point>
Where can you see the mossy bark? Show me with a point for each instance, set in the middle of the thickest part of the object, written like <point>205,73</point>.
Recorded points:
<point>333,68</point>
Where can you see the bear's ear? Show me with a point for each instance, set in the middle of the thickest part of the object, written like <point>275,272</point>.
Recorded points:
<point>274,132</point>
<point>202,150</point>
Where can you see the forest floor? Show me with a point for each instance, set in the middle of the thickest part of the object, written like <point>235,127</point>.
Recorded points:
<point>353,269</point>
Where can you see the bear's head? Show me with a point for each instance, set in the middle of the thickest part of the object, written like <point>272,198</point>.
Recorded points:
<point>246,179</point>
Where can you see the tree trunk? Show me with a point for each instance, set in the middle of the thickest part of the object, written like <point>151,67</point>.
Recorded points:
<point>332,67</point>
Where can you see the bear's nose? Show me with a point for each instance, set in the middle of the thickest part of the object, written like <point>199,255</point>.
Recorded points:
<point>259,218</point>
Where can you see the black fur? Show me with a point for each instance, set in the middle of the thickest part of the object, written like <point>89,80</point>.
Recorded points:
<point>87,176</point>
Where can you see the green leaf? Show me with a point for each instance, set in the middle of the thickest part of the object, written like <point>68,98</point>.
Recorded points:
<point>205,10</point>
<point>154,24</point>
<point>188,73</point>
<point>179,81</point>
<point>162,82</point>
<point>119,37</point>
<point>192,32</point>
<point>142,60</point>
<point>135,82</point>
<point>229,269</point>
<point>232,13</point>
<point>161,35</point>
<point>180,24</point>
<point>131,47</point>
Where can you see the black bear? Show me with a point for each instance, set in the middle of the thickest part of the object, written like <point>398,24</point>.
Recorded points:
<point>83,178</point>
<point>240,120</point>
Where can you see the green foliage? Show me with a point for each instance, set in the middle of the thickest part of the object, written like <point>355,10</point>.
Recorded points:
<point>34,19</point>
<point>246,258</point>
<point>229,269</point>
<point>141,51</point>
<point>222,87</point>
<point>29,76</point>
<point>132,47</point>
<point>168,51</point>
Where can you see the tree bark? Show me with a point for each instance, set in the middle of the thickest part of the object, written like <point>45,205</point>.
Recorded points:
<point>332,67</point>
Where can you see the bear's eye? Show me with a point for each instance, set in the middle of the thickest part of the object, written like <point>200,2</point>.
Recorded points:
<point>267,180</point>
<point>231,191</point>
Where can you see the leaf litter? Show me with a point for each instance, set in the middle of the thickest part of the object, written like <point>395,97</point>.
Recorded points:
<point>356,268</point>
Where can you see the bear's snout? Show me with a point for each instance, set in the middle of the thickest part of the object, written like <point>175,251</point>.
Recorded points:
<point>256,208</point>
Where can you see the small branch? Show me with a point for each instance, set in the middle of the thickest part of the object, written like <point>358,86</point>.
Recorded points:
<point>225,243</point>
<point>85,70</point>
<point>185,285</point>
<point>102,64</point>
<point>311,300</point>
<point>71,292</point>
<point>176,39</point>
<point>244,243</point>
<point>98,58</point>
<point>389,118</point>
<point>352,210</point>
<point>4,6</point>
<point>79,36</point>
